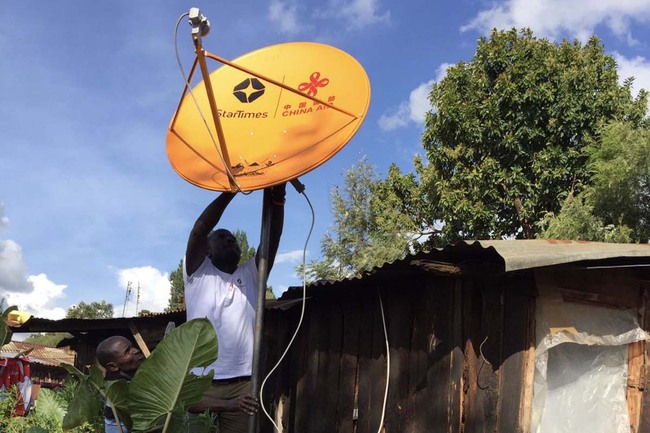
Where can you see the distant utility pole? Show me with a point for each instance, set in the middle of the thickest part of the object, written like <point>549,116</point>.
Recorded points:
<point>137,299</point>
<point>126,298</point>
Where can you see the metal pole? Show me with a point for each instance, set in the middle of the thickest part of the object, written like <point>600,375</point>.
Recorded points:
<point>262,276</point>
<point>200,57</point>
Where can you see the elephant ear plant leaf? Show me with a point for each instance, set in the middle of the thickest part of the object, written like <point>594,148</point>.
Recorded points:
<point>163,387</point>
<point>50,406</point>
<point>87,400</point>
<point>5,331</point>
<point>117,393</point>
<point>84,406</point>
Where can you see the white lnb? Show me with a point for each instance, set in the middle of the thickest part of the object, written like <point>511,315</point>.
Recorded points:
<point>200,24</point>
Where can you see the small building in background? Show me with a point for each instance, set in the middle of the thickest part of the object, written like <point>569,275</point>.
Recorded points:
<point>486,336</point>
<point>44,362</point>
<point>145,331</point>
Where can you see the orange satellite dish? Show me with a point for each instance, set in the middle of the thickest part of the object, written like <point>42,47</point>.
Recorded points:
<point>283,110</point>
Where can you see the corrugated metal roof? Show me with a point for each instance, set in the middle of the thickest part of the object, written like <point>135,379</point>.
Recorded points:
<point>37,324</point>
<point>512,255</point>
<point>519,254</point>
<point>39,354</point>
<point>537,253</point>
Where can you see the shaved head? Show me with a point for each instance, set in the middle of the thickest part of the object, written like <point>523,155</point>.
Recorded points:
<point>117,354</point>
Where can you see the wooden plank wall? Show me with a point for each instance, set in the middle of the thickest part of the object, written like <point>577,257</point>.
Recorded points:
<point>642,419</point>
<point>334,376</point>
<point>498,319</point>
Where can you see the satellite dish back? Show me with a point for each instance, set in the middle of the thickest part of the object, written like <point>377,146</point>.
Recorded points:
<point>284,110</point>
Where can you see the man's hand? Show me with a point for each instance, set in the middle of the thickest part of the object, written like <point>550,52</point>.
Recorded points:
<point>246,403</point>
<point>276,194</point>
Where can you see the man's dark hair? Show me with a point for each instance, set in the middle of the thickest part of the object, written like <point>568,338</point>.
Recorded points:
<point>215,231</point>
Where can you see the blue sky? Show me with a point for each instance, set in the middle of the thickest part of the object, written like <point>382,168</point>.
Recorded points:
<point>88,199</point>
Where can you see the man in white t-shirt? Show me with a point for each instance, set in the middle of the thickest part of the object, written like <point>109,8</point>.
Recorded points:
<point>218,288</point>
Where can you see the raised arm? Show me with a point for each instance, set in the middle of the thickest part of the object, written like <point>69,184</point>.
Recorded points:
<point>278,193</point>
<point>197,244</point>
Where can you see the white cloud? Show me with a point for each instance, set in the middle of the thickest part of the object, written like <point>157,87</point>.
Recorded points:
<point>360,13</point>
<point>285,16</point>
<point>354,14</point>
<point>39,301</point>
<point>4,221</point>
<point>638,67</point>
<point>412,111</point>
<point>34,294</point>
<point>154,288</point>
<point>294,256</point>
<point>552,18</point>
<point>419,102</point>
<point>13,271</point>
<point>398,119</point>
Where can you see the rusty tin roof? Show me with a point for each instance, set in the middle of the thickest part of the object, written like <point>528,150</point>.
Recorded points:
<point>537,253</point>
<point>38,354</point>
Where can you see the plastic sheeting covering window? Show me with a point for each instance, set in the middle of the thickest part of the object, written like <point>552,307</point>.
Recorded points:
<point>581,365</point>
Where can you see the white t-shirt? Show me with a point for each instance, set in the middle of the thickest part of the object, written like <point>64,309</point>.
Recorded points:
<point>229,302</point>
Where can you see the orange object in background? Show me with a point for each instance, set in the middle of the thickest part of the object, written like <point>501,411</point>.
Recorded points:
<point>293,107</point>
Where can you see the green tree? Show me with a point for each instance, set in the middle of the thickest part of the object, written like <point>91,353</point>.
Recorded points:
<point>369,228</point>
<point>94,310</point>
<point>614,206</point>
<point>577,221</point>
<point>508,131</point>
<point>620,178</point>
<point>247,252</point>
<point>404,209</point>
<point>177,289</point>
<point>49,339</point>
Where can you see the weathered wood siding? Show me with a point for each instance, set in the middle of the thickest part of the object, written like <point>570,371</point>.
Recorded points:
<point>334,376</point>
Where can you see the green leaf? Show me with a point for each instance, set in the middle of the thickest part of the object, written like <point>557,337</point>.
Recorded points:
<point>163,384</point>
<point>50,406</point>
<point>117,393</point>
<point>5,331</point>
<point>96,377</point>
<point>184,422</point>
<point>84,407</point>
<point>35,429</point>
<point>73,370</point>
